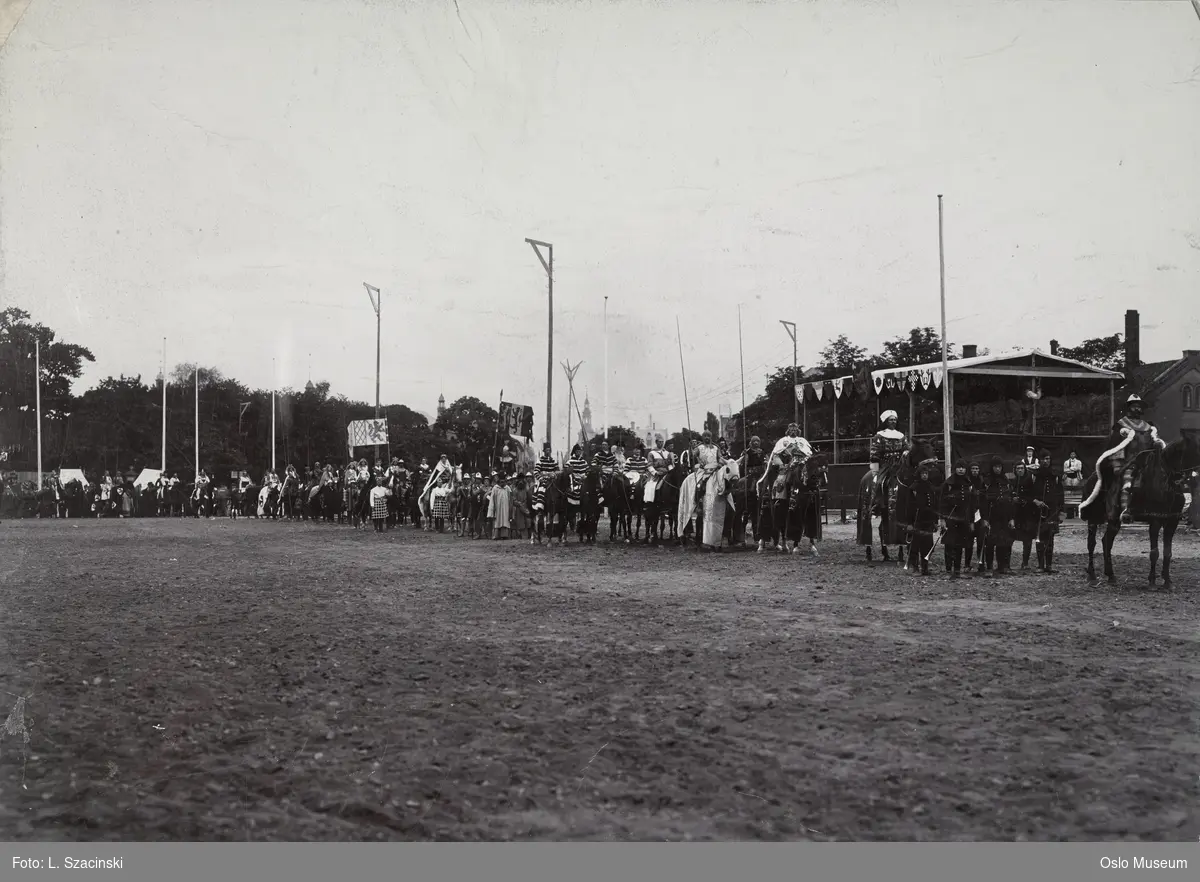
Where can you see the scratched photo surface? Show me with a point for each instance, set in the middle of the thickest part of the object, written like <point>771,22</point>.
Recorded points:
<point>194,195</point>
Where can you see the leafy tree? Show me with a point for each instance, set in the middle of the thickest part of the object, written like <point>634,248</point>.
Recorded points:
<point>683,439</point>
<point>712,425</point>
<point>468,427</point>
<point>841,357</point>
<point>60,363</point>
<point>920,346</point>
<point>1101,352</point>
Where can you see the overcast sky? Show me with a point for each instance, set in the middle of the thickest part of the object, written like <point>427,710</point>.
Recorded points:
<point>228,173</point>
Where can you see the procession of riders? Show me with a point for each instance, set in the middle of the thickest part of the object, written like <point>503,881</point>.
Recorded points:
<point>701,494</point>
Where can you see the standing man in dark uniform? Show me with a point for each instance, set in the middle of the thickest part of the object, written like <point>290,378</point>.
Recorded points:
<point>1048,499</point>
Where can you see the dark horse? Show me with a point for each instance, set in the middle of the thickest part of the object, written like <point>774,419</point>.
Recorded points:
<point>883,494</point>
<point>666,503</point>
<point>619,498</point>
<point>590,505</point>
<point>1156,498</point>
<point>806,480</point>
<point>557,516</point>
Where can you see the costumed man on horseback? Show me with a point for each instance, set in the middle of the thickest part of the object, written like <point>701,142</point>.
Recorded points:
<point>796,447</point>
<point>710,493</point>
<point>887,447</point>
<point>1131,435</point>
<point>753,460</point>
<point>659,462</point>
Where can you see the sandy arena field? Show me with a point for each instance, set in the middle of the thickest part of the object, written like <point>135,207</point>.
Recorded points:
<point>219,680</point>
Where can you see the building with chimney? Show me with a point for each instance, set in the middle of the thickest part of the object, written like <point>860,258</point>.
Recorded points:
<point>1170,388</point>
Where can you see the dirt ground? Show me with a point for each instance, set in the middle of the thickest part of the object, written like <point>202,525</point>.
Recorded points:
<point>218,680</point>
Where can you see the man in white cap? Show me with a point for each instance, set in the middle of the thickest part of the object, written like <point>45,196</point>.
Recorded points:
<point>888,444</point>
<point>1031,459</point>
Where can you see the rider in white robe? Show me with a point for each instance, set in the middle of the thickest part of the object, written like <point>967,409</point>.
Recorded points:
<point>710,474</point>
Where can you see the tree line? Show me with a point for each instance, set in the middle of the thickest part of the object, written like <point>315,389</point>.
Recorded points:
<point>116,426</point>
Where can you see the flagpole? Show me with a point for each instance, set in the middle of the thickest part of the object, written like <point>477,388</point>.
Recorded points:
<point>496,442</point>
<point>37,373</point>
<point>745,441</point>
<point>164,409</point>
<point>686,406</point>
<point>196,473</point>
<point>947,400</point>
<point>606,438</point>
<point>273,381</point>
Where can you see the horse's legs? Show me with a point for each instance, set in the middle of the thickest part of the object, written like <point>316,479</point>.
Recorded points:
<point>1169,527</point>
<point>1091,547</point>
<point>1110,537</point>
<point>1155,526</point>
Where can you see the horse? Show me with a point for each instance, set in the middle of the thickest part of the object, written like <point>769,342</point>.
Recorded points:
<point>743,492</point>
<point>558,515</point>
<point>619,495</point>
<point>1156,498</point>
<point>884,494</point>
<point>590,494</point>
<point>806,480</point>
<point>665,504</point>
<point>553,503</point>
<point>201,499</point>
<point>292,495</point>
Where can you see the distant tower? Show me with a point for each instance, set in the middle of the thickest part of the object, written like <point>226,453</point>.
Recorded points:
<point>586,432</point>
<point>441,405</point>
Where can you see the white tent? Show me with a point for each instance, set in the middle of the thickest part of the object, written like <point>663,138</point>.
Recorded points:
<point>148,476</point>
<point>66,476</point>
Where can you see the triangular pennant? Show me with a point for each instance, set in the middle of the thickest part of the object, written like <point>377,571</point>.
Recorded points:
<point>937,377</point>
<point>800,392</point>
<point>926,379</point>
<point>878,383</point>
<point>818,388</point>
<point>837,387</point>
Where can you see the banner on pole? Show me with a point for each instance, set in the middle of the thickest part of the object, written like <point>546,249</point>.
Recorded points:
<point>366,433</point>
<point>516,420</point>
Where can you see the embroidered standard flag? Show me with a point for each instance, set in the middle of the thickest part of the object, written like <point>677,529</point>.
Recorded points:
<point>516,420</point>
<point>367,433</point>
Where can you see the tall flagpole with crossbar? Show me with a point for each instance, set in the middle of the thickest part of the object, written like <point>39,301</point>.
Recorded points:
<point>377,305</point>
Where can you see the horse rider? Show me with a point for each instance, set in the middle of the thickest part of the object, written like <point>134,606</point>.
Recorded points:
<point>887,446</point>
<point>636,465</point>
<point>659,462</point>
<point>796,446</point>
<point>605,460</point>
<point>709,462</point>
<point>1132,434</point>
<point>577,465</point>
<point>753,460</point>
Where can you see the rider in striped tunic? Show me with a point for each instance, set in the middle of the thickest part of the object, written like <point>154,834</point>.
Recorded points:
<point>605,459</point>
<point>545,469</point>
